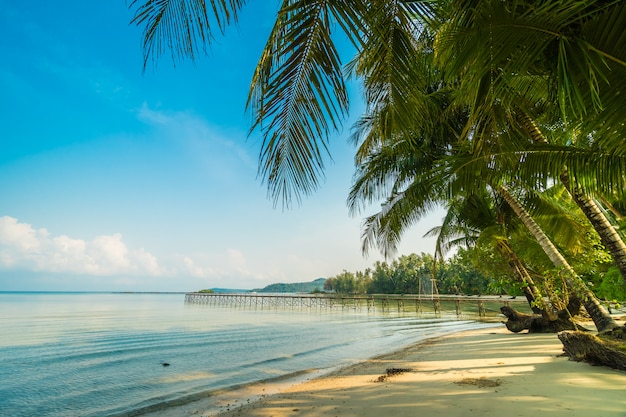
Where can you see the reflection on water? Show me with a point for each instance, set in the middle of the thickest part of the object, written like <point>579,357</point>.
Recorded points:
<point>192,376</point>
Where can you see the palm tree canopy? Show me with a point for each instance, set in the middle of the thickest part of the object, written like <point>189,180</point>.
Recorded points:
<point>516,52</point>
<point>185,28</point>
<point>535,57</point>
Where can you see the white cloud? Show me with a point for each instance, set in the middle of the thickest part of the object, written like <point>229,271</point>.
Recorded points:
<point>23,247</point>
<point>152,117</point>
<point>22,236</point>
<point>228,268</point>
<point>110,252</point>
<point>218,150</point>
<point>196,271</point>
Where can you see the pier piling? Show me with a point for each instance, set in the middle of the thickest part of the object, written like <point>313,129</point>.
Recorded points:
<point>441,304</point>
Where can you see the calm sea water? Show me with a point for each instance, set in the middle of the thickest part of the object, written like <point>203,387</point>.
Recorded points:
<point>100,354</point>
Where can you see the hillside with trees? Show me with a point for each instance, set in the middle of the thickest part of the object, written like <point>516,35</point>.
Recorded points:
<point>295,287</point>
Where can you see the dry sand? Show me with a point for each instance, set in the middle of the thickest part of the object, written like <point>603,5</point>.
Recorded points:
<point>488,372</point>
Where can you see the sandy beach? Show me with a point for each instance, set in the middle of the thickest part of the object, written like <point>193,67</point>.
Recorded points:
<point>487,372</point>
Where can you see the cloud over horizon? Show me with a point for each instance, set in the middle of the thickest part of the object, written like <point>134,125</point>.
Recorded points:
<point>29,249</point>
<point>25,248</point>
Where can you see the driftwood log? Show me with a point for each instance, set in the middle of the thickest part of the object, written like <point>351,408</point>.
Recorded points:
<point>585,347</point>
<point>542,323</point>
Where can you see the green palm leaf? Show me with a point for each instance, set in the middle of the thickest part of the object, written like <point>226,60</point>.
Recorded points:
<point>182,27</point>
<point>298,95</point>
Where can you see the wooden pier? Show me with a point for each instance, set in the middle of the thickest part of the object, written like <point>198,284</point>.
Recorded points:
<point>482,306</point>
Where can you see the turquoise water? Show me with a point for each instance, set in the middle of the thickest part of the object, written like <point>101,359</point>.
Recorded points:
<point>101,354</point>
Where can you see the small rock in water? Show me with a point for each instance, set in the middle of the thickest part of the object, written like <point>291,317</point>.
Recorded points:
<point>165,364</point>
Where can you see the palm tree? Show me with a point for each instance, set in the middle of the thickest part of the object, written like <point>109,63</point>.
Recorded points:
<point>414,171</point>
<point>298,93</point>
<point>515,54</point>
<point>414,180</point>
<point>607,232</point>
<point>598,313</point>
<point>480,219</point>
<point>476,218</point>
<point>413,194</point>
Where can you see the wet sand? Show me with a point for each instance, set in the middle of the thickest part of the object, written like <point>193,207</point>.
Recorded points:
<point>487,372</point>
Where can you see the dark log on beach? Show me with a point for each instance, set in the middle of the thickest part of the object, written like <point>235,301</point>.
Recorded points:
<point>542,323</point>
<point>585,347</point>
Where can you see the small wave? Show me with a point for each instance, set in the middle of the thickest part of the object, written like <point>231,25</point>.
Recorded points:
<point>273,384</point>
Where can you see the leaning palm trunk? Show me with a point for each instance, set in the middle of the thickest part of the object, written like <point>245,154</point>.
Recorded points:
<point>531,292</point>
<point>600,316</point>
<point>608,235</point>
<point>544,319</point>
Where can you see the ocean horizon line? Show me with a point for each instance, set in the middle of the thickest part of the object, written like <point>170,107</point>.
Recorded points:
<point>87,292</point>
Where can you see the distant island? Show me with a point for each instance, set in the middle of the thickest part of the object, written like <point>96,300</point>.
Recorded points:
<point>301,287</point>
<point>307,287</point>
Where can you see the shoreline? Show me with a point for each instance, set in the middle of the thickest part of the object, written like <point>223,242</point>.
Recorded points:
<point>488,371</point>
<point>214,403</point>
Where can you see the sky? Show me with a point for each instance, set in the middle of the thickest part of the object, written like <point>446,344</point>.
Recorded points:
<point>116,179</point>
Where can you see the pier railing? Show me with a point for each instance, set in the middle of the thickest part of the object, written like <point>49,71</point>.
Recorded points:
<point>481,306</point>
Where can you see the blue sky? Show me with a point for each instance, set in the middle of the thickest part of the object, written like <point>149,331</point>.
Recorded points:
<point>112,179</point>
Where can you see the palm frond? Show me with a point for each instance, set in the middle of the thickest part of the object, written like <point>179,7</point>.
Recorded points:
<point>393,65</point>
<point>185,28</point>
<point>411,199</point>
<point>573,46</point>
<point>453,231</point>
<point>298,95</point>
<point>558,216</point>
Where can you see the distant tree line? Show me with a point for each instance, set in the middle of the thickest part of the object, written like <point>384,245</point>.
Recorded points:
<point>413,274</point>
<point>471,271</point>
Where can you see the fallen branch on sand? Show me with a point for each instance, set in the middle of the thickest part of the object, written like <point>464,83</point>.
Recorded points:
<point>542,323</point>
<point>585,347</point>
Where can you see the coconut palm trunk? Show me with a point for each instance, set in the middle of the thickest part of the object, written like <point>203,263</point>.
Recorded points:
<point>600,316</point>
<point>608,235</point>
<point>531,292</point>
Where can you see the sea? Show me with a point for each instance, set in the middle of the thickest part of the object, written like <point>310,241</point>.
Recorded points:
<point>126,354</point>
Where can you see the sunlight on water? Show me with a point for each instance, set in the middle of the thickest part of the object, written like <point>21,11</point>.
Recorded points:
<point>192,376</point>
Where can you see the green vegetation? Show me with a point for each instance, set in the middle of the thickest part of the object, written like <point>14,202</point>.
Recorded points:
<point>207,291</point>
<point>610,285</point>
<point>411,274</point>
<point>472,271</point>
<point>414,274</point>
